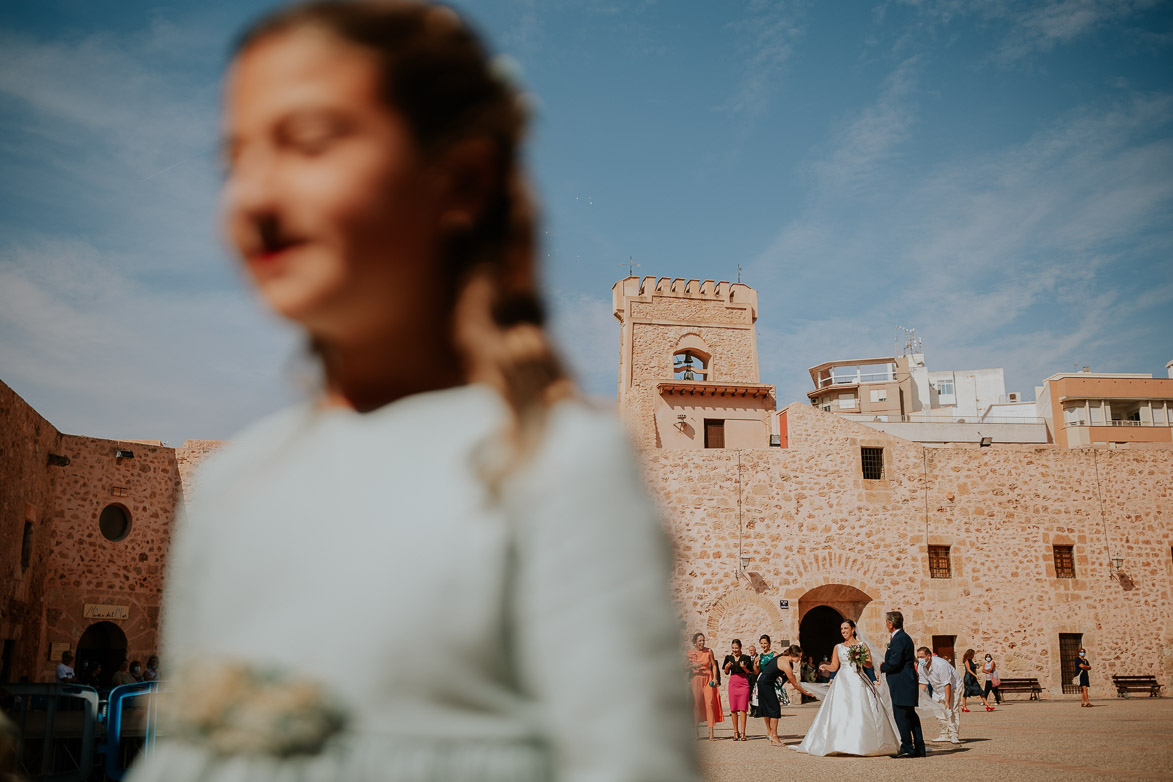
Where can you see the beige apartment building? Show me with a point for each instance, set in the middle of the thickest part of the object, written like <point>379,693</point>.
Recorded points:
<point>900,395</point>
<point>867,387</point>
<point>1114,409</point>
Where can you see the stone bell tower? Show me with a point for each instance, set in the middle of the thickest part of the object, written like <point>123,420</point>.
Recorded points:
<point>688,364</point>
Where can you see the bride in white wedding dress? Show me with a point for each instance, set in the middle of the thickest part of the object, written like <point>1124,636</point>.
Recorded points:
<point>855,717</point>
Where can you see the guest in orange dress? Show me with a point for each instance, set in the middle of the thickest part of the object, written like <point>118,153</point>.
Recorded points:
<point>703,668</point>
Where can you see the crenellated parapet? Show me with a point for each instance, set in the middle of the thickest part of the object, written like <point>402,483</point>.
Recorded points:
<point>650,290</point>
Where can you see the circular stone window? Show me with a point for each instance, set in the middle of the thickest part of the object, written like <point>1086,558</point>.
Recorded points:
<point>114,522</point>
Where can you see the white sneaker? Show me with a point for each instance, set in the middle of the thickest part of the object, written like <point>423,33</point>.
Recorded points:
<point>954,741</point>
<point>942,737</point>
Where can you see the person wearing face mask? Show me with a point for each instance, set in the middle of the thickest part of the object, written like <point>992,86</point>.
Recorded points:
<point>136,670</point>
<point>1084,666</point>
<point>123,676</point>
<point>973,689</point>
<point>947,690</point>
<point>993,681</point>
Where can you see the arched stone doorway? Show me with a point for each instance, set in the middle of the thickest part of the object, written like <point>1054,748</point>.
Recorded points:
<point>818,632</point>
<point>102,643</point>
<point>820,612</point>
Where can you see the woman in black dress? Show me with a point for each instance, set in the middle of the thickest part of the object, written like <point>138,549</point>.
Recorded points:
<point>1084,666</point>
<point>768,705</point>
<point>973,688</point>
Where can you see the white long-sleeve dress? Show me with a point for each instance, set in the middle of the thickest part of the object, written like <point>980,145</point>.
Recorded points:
<point>464,638</point>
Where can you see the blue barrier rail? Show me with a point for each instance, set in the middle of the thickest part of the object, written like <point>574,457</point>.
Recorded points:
<point>127,716</point>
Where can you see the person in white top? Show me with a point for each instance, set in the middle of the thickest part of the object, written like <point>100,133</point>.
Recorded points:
<point>947,687</point>
<point>65,672</point>
<point>446,490</point>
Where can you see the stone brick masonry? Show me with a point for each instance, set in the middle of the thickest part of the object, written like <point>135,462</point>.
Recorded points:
<point>71,563</point>
<point>817,533</point>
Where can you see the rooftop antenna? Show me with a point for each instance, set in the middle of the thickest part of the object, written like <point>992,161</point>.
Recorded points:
<point>912,343</point>
<point>739,273</point>
<point>631,266</point>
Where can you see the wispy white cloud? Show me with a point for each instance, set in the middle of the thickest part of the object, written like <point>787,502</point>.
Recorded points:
<point>1042,27</point>
<point>768,30</point>
<point>1027,28</point>
<point>587,336</point>
<point>872,139</point>
<point>107,357</point>
<point>1021,257</point>
<point>135,325</point>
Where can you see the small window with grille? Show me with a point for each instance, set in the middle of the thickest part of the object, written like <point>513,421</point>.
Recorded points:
<point>939,562</point>
<point>873,463</point>
<point>1064,561</point>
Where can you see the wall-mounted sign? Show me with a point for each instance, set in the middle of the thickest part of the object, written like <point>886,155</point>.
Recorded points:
<point>56,650</point>
<point>784,604</point>
<point>95,611</point>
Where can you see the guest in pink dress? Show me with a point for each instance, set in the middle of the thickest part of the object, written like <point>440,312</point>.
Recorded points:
<point>739,667</point>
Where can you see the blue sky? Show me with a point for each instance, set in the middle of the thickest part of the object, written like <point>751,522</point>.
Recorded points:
<point>997,175</point>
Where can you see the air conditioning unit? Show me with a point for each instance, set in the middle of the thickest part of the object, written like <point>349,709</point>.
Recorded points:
<point>1012,396</point>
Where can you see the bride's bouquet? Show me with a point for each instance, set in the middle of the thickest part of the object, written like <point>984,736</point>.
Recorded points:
<point>857,655</point>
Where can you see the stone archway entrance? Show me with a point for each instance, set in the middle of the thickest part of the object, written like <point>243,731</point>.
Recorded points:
<point>103,643</point>
<point>821,611</point>
<point>818,632</point>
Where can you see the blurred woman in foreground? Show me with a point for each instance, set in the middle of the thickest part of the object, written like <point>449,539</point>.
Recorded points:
<point>445,487</point>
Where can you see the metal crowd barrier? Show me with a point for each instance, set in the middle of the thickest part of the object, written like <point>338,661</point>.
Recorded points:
<point>66,728</point>
<point>58,724</point>
<point>131,715</point>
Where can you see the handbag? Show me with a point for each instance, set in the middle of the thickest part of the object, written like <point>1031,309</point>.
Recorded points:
<point>995,681</point>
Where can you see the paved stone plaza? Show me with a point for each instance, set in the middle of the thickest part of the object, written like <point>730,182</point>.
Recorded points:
<point>1022,740</point>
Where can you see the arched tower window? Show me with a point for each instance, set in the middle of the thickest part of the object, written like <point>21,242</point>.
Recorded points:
<point>690,364</point>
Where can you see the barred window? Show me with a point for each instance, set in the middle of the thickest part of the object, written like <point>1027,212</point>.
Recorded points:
<point>1064,561</point>
<point>939,562</point>
<point>873,463</point>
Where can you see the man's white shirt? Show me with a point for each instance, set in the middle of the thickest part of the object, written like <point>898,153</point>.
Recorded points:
<point>937,674</point>
<point>65,672</point>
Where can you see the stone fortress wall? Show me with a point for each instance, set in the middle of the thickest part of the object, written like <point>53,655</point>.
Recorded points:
<point>825,542</point>
<point>817,533</point>
<point>61,484</point>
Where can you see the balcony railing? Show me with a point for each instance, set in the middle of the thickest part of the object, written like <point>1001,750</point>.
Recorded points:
<point>856,378</point>
<point>961,419</point>
<point>1115,422</point>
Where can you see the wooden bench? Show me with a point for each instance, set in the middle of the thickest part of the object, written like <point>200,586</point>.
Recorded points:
<point>1125,684</point>
<point>1021,685</point>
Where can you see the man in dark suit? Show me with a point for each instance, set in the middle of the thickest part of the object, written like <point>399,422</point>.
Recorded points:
<point>900,666</point>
